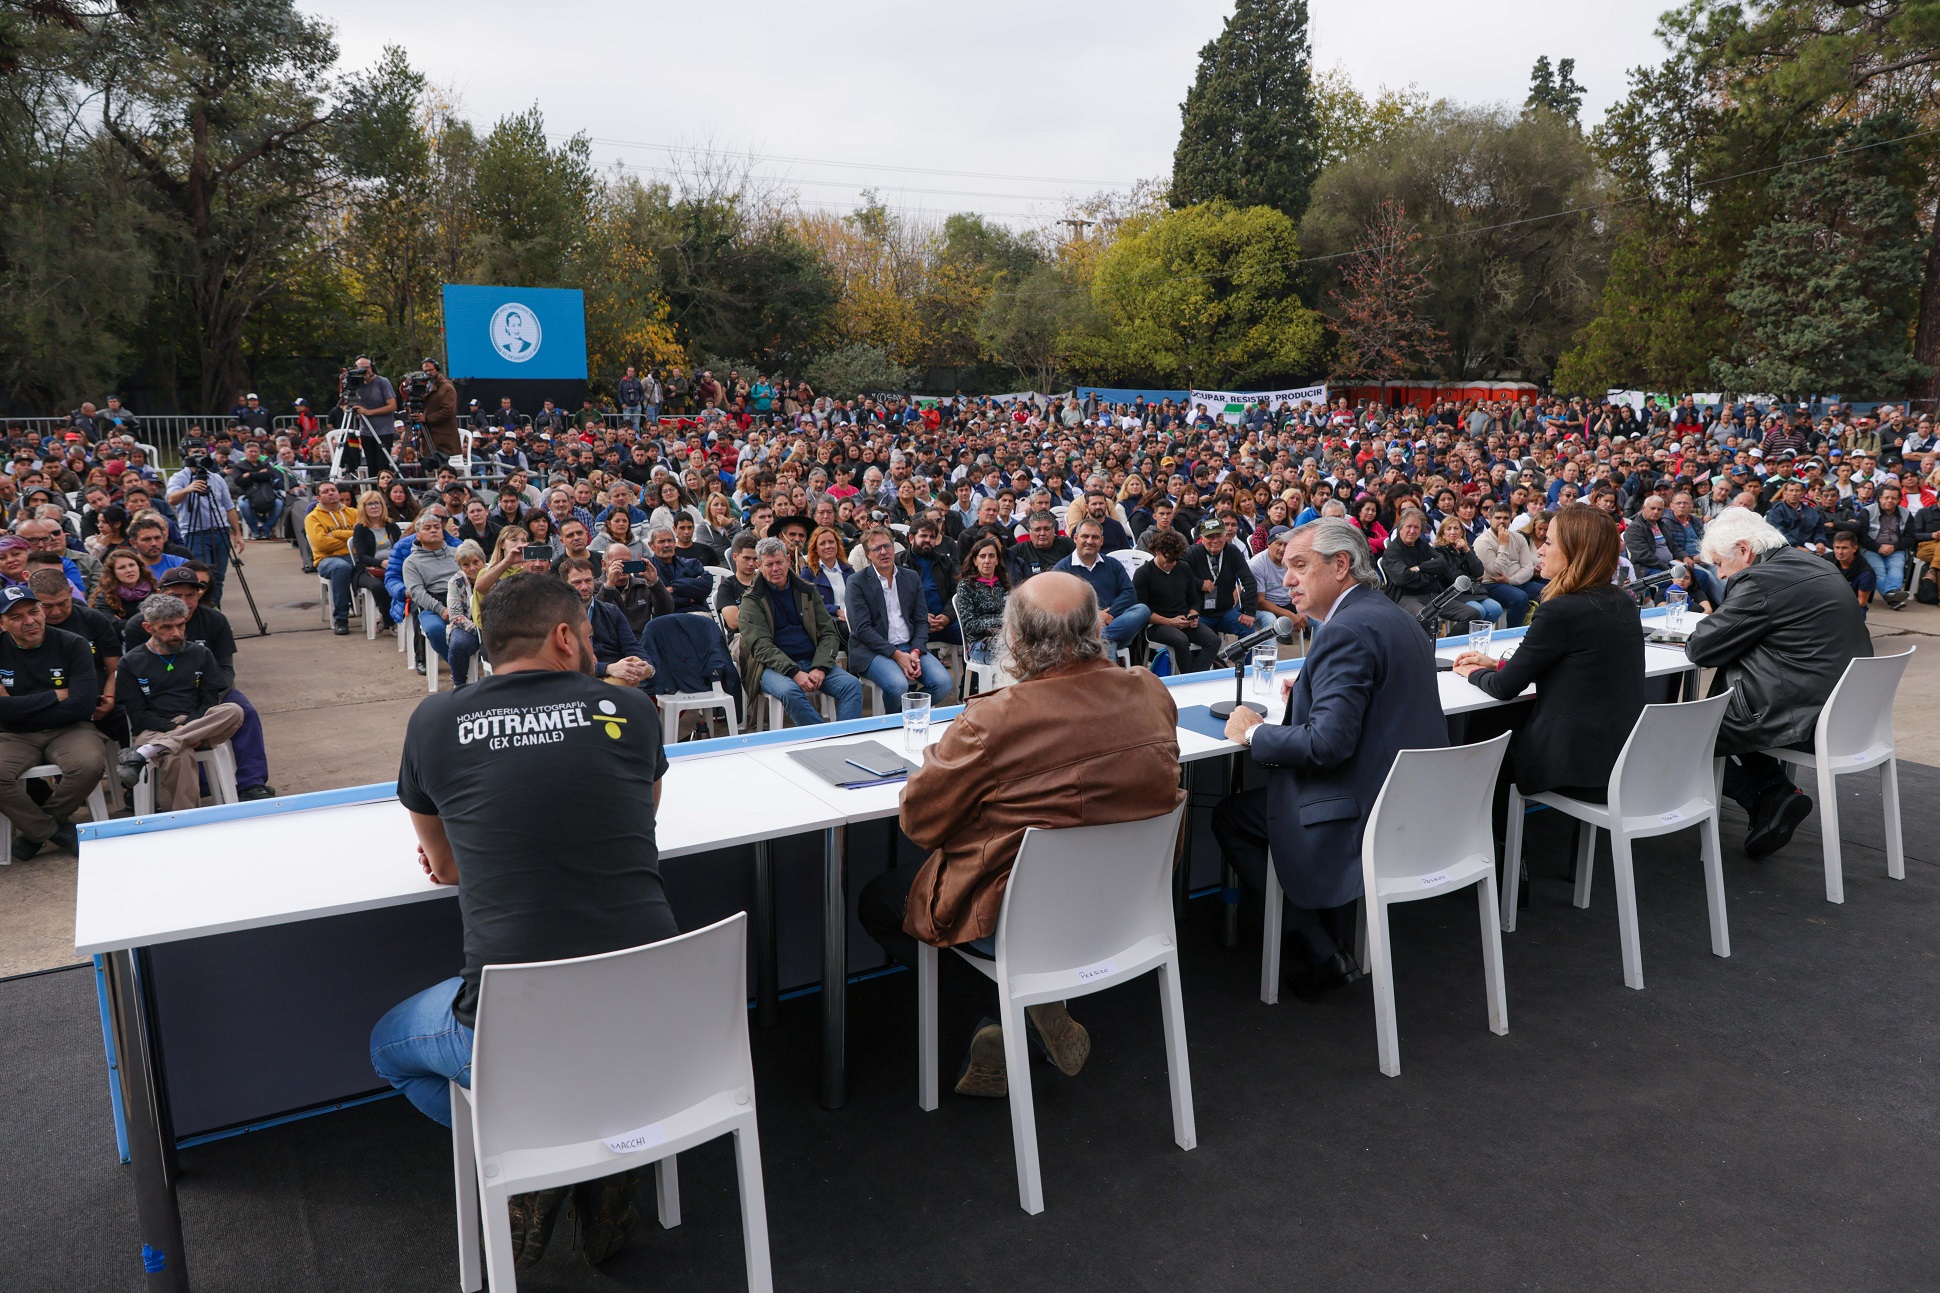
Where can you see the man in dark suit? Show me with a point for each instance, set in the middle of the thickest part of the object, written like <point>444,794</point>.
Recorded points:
<point>889,626</point>
<point>1366,692</point>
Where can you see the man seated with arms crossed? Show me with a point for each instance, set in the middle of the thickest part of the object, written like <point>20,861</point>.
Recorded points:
<point>617,654</point>
<point>329,526</point>
<point>173,691</point>
<point>1781,639</point>
<point>1001,769</point>
<point>889,627</point>
<point>1366,692</point>
<point>579,878</point>
<point>46,712</point>
<point>103,637</point>
<point>1124,617</point>
<point>788,641</point>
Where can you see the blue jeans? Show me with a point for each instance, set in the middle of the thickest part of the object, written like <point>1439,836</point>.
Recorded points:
<point>1491,608</point>
<point>1889,570</point>
<point>884,672</point>
<point>339,571</point>
<point>839,684</point>
<point>212,546</point>
<point>1124,628</point>
<point>434,633</point>
<point>1225,623</point>
<point>462,645</point>
<point>1515,602</point>
<point>419,1047</point>
<point>259,527</point>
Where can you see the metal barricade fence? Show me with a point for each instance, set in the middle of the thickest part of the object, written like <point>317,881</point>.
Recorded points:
<point>161,434</point>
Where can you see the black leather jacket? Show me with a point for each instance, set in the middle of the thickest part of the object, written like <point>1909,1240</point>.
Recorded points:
<point>1782,638</point>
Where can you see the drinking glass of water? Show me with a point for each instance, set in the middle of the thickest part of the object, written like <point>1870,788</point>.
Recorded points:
<point>1675,603</point>
<point>916,720</point>
<point>1479,634</point>
<point>1266,659</point>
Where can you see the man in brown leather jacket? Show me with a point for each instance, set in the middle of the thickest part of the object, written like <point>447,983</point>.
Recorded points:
<point>1077,741</point>
<point>441,412</point>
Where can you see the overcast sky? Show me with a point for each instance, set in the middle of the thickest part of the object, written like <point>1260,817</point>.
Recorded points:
<point>999,106</point>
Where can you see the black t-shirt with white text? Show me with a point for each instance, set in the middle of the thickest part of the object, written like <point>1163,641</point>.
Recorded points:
<point>60,663</point>
<point>544,782</point>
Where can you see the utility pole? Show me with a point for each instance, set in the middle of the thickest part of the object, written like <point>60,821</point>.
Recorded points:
<point>1077,226</point>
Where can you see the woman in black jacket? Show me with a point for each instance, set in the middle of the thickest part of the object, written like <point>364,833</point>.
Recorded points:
<point>370,549</point>
<point>1585,653</point>
<point>1451,541</point>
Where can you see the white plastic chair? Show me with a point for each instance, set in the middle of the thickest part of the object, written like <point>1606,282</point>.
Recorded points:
<point>1130,558</point>
<point>1087,907</point>
<point>218,764</point>
<point>589,1067</point>
<point>1433,839</point>
<point>1663,782</point>
<point>362,605</point>
<point>97,805</point>
<point>367,604</point>
<point>674,704</point>
<point>1855,732</point>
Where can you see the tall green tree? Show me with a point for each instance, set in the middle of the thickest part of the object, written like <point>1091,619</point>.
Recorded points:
<point>1205,296</point>
<point>1248,133</point>
<point>1032,322</point>
<point>1829,289</point>
<point>215,106</point>
<point>1502,200</point>
<point>1554,89</point>
<point>531,203</point>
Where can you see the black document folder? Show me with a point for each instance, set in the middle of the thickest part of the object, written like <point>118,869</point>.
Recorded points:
<point>854,764</point>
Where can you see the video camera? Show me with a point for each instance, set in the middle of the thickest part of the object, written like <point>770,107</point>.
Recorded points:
<point>412,387</point>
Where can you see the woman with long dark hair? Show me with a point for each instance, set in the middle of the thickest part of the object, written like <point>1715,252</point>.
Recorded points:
<point>982,589</point>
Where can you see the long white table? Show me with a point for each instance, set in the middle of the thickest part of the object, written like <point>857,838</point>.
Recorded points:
<point>186,876</point>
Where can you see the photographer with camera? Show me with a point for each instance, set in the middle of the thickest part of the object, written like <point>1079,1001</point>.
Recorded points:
<point>257,486</point>
<point>371,400</point>
<point>209,519</point>
<point>440,412</point>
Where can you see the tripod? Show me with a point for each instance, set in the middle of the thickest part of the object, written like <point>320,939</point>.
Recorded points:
<point>236,568</point>
<point>345,455</point>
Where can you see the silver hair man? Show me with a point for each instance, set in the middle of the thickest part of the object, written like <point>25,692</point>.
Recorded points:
<point>1330,536</point>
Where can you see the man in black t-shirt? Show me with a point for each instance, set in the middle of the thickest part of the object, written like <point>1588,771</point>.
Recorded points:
<point>49,686</point>
<point>579,878</point>
<point>173,690</point>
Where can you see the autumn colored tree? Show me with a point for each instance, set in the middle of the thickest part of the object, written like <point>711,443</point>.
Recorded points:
<point>1380,328</point>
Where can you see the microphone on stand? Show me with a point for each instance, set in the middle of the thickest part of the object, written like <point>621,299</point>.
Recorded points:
<point>1282,630</point>
<point>1432,612</point>
<point>1649,582</point>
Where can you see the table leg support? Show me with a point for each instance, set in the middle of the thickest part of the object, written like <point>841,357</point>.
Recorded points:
<point>1229,878</point>
<point>158,1216</point>
<point>767,969</point>
<point>835,969</point>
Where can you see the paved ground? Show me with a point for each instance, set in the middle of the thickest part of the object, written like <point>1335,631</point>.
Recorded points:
<point>334,711</point>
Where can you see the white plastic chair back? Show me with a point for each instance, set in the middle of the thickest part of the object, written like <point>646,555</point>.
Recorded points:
<point>1856,725</point>
<point>573,1051</point>
<point>1432,814</point>
<point>1665,770</point>
<point>1082,895</point>
<point>1130,558</point>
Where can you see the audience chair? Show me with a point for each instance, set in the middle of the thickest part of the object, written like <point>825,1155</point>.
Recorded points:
<point>1087,908</point>
<point>589,1067</point>
<point>1662,783</point>
<point>360,605</point>
<point>218,766</point>
<point>1130,558</point>
<point>681,647</point>
<point>97,806</point>
<point>984,676</point>
<point>1855,732</point>
<point>367,606</point>
<point>1435,838</point>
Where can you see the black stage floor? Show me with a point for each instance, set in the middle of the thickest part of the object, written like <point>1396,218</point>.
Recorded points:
<point>1764,1122</point>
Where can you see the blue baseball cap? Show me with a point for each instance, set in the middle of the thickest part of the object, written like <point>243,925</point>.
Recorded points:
<point>13,595</point>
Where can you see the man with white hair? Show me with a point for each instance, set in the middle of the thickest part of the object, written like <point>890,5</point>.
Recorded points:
<point>1781,640</point>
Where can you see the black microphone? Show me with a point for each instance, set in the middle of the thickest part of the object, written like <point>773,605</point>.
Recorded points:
<point>1281,628</point>
<point>1649,582</point>
<point>1447,597</point>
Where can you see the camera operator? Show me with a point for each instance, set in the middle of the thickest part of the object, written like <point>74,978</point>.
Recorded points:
<point>441,413</point>
<point>368,395</point>
<point>209,520</point>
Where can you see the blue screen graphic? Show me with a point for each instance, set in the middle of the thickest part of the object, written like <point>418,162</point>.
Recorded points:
<point>518,333</point>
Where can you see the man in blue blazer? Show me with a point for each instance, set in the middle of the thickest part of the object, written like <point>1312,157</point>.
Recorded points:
<point>889,626</point>
<point>1366,692</point>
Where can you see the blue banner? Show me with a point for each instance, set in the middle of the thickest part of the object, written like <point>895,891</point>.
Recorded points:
<point>515,333</point>
<point>1111,395</point>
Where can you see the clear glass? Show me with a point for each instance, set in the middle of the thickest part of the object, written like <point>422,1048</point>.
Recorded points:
<point>1479,634</point>
<point>916,720</point>
<point>1266,659</point>
<point>1676,601</point>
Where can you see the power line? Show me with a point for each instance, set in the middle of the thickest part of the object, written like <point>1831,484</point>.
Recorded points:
<point>853,184</point>
<point>864,166</point>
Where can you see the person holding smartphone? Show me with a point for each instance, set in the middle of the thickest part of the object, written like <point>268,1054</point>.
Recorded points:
<point>633,585</point>
<point>1167,585</point>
